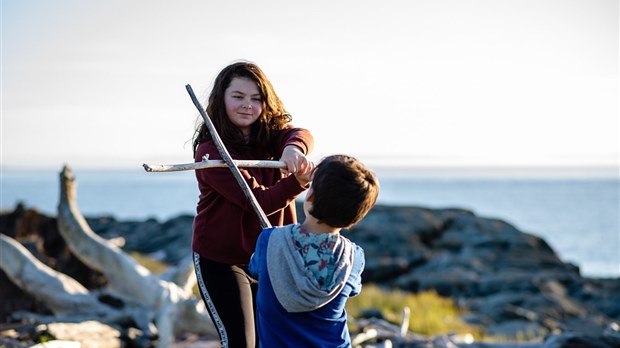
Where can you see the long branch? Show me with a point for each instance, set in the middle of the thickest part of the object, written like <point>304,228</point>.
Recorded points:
<point>229,161</point>
<point>213,164</point>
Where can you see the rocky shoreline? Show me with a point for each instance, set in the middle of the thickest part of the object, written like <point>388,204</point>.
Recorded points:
<point>511,282</point>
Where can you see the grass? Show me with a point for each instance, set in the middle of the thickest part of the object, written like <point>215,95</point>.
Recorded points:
<point>155,266</point>
<point>431,314</point>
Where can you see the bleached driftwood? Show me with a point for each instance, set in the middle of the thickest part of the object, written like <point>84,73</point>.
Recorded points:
<point>63,295</point>
<point>60,293</point>
<point>207,163</point>
<point>166,301</point>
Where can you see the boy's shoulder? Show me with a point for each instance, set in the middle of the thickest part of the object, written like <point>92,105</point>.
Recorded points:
<point>280,229</point>
<point>277,230</point>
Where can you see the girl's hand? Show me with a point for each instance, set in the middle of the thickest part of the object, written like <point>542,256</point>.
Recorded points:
<point>294,159</point>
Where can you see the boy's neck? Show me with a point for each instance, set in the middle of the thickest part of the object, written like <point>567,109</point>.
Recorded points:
<point>312,225</point>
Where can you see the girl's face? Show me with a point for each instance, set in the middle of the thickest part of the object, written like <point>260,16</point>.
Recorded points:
<point>243,103</point>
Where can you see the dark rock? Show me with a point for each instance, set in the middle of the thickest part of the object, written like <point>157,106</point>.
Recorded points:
<point>7,342</point>
<point>371,313</point>
<point>516,329</point>
<point>169,241</point>
<point>577,340</point>
<point>499,273</point>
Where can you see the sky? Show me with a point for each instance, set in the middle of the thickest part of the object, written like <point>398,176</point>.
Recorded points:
<point>502,83</point>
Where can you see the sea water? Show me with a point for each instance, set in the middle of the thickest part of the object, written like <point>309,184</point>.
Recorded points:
<point>578,216</point>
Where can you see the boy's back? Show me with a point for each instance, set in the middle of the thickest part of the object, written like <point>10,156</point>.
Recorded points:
<point>314,316</point>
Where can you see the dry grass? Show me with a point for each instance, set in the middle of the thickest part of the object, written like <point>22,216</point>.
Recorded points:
<point>431,314</point>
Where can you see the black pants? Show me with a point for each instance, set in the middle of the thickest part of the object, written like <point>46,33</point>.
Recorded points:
<point>229,294</point>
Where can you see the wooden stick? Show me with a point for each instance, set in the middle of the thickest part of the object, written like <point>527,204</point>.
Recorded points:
<point>213,164</point>
<point>229,161</point>
<point>404,324</point>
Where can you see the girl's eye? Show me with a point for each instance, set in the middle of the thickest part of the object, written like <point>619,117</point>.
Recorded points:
<point>257,99</point>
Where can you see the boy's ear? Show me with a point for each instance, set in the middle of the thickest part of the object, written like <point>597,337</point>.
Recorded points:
<point>310,195</point>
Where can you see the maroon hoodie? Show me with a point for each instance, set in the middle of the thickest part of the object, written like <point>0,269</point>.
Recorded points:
<point>226,227</point>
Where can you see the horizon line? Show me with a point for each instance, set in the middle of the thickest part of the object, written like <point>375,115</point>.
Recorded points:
<point>413,170</point>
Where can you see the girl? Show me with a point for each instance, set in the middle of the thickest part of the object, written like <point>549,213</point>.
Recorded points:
<point>253,124</point>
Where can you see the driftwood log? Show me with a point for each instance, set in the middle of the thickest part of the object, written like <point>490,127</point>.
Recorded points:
<point>160,305</point>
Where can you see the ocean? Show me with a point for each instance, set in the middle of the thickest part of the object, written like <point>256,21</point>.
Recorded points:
<point>579,216</point>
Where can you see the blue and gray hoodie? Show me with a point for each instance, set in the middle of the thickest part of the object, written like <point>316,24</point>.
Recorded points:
<point>292,309</point>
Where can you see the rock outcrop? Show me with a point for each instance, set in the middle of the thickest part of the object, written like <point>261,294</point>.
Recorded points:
<point>509,280</point>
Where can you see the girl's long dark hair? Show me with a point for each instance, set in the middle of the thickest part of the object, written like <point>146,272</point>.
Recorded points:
<point>273,118</point>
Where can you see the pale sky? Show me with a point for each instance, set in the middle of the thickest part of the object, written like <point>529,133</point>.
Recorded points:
<point>433,82</point>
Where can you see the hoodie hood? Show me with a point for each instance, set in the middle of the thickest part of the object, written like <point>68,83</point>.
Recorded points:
<point>294,285</point>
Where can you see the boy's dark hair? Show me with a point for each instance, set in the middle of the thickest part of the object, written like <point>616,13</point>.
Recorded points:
<point>343,191</point>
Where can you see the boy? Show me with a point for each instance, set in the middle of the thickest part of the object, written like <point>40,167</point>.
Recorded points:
<point>306,272</point>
